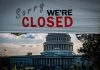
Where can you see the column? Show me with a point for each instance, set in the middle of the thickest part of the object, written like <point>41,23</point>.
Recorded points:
<point>62,46</point>
<point>46,61</point>
<point>52,61</point>
<point>68,47</point>
<point>58,46</point>
<point>53,46</point>
<point>72,47</point>
<point>49,47</point>
<point>57,62</point>
<point>65,47</point>
<point>60,61</point>
<point>49,61</point>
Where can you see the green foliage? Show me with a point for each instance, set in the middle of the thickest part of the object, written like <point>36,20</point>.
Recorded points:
<point>91,47</point>
<point>18,34</point>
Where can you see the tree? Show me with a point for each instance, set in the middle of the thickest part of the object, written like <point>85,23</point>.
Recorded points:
<point>18,34</point>
<point>91,48</point>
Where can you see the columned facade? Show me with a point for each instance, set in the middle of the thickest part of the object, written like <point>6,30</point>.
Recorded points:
<point>53,62</point>
<point>57,53</point>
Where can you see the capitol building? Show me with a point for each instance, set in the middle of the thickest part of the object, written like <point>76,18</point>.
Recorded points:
<point>57,55</point>
<point>58,52</point>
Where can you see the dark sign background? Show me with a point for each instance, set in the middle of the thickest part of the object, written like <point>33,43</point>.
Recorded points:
<point>86,15</point>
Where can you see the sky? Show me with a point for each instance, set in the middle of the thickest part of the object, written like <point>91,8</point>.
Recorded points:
<point>85,14</point>
<point>30,42</point>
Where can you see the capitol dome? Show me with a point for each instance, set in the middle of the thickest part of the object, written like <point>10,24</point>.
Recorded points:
<point>58,44</point>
